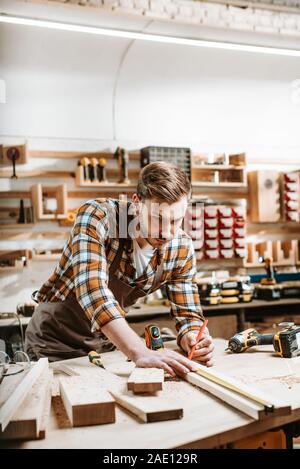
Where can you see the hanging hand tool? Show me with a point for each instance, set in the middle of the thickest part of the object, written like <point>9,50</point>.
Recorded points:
<point>123,159</point>
<point>13,154</point>
<point>101,170</point>
<point>84,162</point>
<point>95,358</point>
<point>285,342</point>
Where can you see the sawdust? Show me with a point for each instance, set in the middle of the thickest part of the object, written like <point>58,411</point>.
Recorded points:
<point>288,380</point>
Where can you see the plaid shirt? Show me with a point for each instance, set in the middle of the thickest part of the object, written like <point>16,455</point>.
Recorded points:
<point>83,271</point>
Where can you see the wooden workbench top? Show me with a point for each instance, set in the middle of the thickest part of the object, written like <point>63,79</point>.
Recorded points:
<point>207,421</point>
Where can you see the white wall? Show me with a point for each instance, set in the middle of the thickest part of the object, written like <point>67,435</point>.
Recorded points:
<point>60,95</point>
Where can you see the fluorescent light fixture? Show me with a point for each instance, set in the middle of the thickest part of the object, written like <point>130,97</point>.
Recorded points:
<point>146,36</point>
<point>2,92</point>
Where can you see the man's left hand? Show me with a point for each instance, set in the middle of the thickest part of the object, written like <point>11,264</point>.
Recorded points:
<point>204,349</point>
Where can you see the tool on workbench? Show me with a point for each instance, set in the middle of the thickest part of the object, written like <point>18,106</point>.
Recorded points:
<point>154,341</point>
<point>199,337</point>
<point>95,358</point>
<point>153,338</point>
<point>286,342</point>
<point>123,160</point>
<point>268,289</point>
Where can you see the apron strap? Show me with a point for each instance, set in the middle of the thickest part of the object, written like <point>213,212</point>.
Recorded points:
<point>158,275</point>
<point>116,261</point>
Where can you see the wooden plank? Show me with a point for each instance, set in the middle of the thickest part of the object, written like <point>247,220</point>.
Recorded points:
<point>146,380</point>
<point>248,407</point>
<point>148,408</point>
<point>46,409</point>
<point>17,398</point>
<point>250,392</point>
<point>26,422</point>
<point>86,404</point>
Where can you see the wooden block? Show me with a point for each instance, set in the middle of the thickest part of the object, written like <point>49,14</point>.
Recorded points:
<point>264,194</point>
<point>148,408</point>
<point>86,404</point>
<point>145,380</point>
<point>18,396</point>
<point>26,423</point>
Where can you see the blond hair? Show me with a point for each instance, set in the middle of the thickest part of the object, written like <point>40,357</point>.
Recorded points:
<point>163,181</point>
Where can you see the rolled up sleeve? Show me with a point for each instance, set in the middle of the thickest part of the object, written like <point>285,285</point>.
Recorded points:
<point>182,291</point>
<point>90,269</point>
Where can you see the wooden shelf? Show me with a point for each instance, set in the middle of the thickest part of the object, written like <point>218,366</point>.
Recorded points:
<point>16,225</point>
<point>215,175</point>
<point>134,155</point>
<point>221,167</point>
<point>107,185</point>
<point>46,257</point>
<point>38,173</point>
<point>12,269</point>
<point>218,184</point>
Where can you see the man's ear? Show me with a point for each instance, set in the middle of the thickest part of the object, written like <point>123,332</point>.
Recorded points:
<point>136,199</point>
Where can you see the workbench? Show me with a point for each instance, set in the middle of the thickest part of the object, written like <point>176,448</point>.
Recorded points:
<point>207,421</point>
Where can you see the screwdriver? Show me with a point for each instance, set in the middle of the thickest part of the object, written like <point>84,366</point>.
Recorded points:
<point>95,358</point>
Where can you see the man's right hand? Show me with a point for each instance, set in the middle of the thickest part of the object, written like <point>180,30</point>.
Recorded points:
<point>168,360</point>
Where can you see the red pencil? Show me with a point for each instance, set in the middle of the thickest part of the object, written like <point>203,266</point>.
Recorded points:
<point>199,336</point>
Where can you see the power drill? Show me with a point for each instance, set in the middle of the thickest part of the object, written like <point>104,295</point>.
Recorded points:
<point>286,342</point>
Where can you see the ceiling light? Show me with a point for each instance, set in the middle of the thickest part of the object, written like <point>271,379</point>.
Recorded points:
<point>147,37</point>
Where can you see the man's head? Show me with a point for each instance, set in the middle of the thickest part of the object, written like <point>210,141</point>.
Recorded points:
<point>161,199</point>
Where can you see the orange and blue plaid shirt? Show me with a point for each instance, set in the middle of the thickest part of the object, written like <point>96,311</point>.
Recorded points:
<point>83,271</point>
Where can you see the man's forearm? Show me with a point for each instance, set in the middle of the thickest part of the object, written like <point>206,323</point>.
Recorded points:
<point>124,338</point>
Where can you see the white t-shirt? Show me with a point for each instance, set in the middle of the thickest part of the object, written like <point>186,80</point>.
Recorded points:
<point>141,257</point>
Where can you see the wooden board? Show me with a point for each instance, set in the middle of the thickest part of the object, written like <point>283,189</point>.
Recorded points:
<point>248,407</point>
<point>86,404</point>
<point>148,408</point>
<point>14,401</point>
<point>26,423</point>
<point>46,409</point>
<point>270,404</point>
<point>145,380</point>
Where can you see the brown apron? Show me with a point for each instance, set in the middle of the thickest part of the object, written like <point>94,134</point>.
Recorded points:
<point>61,330</point>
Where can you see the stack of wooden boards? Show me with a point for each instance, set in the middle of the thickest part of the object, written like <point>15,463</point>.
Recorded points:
<point>91,397</point>
<point>25,400</point>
